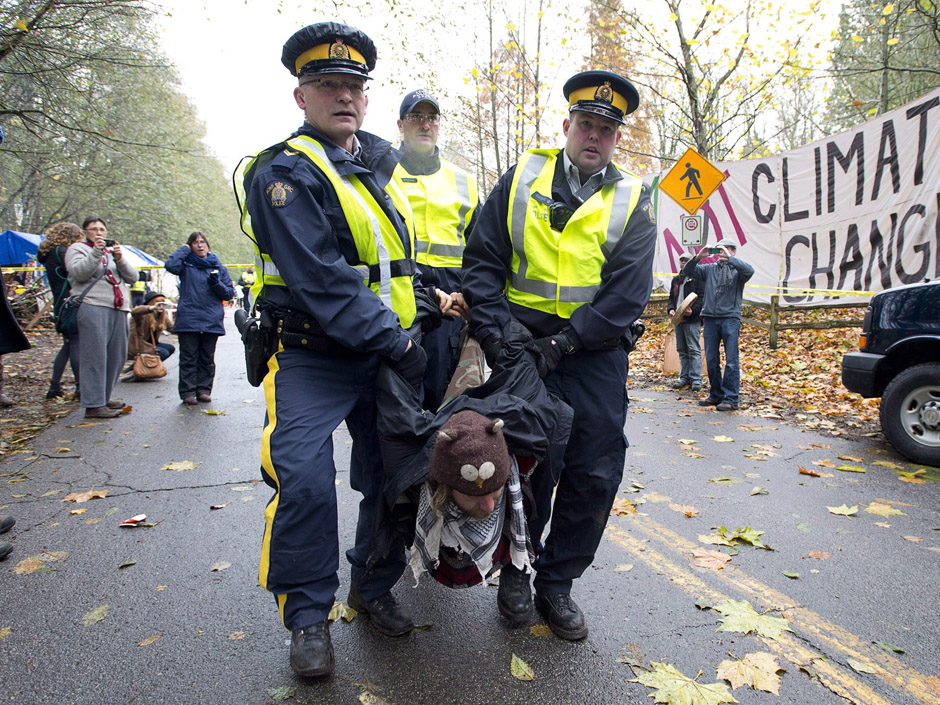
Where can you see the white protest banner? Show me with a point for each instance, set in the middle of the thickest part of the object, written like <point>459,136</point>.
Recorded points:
<point>857,211</point>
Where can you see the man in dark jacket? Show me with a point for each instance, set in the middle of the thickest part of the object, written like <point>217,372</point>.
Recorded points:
<point>689,330</point>
<point>721,315</point>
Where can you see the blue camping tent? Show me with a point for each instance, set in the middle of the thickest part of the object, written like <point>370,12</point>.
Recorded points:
<point>18,248</point>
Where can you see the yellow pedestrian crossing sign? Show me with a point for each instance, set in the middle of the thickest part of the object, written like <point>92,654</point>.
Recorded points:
<point>691,181</point>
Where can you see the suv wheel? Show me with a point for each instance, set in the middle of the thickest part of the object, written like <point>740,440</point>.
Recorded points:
<point>910,413</point>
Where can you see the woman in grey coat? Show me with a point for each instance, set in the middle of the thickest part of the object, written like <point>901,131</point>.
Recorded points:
<point>102,317</point>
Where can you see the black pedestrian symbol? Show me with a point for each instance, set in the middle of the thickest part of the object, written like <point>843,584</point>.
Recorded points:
<point>692,174</point>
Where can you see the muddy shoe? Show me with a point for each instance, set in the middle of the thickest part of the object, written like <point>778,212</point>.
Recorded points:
<point>386,614</point>
<point>101,412</point>
<point>311,650</point>
<point>514,597</point>
<point>6,523</point>
<point>563,615</point>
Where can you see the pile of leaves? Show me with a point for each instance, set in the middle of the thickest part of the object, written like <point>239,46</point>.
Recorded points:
<point>800,381</point>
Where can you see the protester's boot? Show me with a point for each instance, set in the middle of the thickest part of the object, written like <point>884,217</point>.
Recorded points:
<point>5,401</point>
<point>55,390</point>
<point>514,597</point>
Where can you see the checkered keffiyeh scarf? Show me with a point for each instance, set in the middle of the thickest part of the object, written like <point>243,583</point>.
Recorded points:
<point>478,538</point>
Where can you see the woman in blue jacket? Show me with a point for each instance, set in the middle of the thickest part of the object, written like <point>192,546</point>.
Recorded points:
<point>204,285</point>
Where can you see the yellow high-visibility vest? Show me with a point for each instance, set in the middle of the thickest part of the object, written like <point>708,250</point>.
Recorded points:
<point>377,241</point>
<point>443,204</point>
<point>556,272</point>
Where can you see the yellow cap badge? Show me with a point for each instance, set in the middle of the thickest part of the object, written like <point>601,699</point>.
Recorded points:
<point>604,93</point>
<point>339,50</point>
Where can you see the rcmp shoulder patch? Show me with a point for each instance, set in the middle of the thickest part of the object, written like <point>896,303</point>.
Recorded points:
<point>280,192</point>
<point>648,212</point>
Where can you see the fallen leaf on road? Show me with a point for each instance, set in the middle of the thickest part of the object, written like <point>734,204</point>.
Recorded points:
<point>623,568</point>
<point>883,524</point>
<point>725,480</point>
<point>6,631</point>
<point>687,441</point>
<point>723,439</point>
<point>890,648</point>
<point>758,670</point>
<point>914,539</point>
<point>217,506</point>
<point>850,468</point>
<point>851,458</point>
<point>740,617</point>
<point>825,463</point>
<point>180,465</point>
<point>51,492</point>
<point>655,497</point>
<point>161,588</point>
<point>883,510</point>
<point>369,698</point>
<point>759,490</point>
<point>38,563</point>
<point>341,610</point>
<point>674,688</point>
<point>843,510</point>
<point>540,630</point>
<point>213,412</point>
<point>710,559</point>
<point>77,511</point>
<point>792,574</point>
<point>819,555</point>
<point>623,507</point>
<point>236,636</point>
<point>888,464</point>
<point>520,670</point>
<point>149,640</point>
<point>686,509</point>
<point>127,564</point>
<point>220,566</point>
<point>282,693</point>
<point>693,455</point>
<point>912,477</point>
<point>804,527</point>
<point>95,616</point>
<point>862,667</point>
<point>79,497</point>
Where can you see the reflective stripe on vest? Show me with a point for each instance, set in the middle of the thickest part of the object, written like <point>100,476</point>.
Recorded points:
<point>442,203</point>
<point>558,272</point>
<point>263,264</point>
<point>377,241</point>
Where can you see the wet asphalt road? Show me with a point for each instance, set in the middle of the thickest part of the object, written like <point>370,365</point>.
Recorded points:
<point>220,641</point>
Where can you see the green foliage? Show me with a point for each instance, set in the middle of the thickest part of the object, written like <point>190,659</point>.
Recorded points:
<point>96,124</point>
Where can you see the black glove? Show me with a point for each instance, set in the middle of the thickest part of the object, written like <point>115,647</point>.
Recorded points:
<point>411,365</point>
<point>491,344</point>
<point>552,349</point>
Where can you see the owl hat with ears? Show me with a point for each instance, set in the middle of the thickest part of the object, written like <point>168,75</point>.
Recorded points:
<point>470,455</point>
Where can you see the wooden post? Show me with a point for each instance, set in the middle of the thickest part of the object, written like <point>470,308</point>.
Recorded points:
<point>774,319</point>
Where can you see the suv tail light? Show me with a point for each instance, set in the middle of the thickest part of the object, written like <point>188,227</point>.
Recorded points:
<point>866,327</point>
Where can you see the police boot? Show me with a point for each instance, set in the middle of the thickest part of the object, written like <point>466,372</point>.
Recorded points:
<point>311,650</point>
<point>514,597</point>
<point>386,614</point>
<point>563,615</point>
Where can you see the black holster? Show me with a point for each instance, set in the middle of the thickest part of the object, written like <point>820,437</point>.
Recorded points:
<point>260,344</point>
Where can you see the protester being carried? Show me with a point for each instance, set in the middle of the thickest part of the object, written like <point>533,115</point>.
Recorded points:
<point>470,520</point>
<point>51,255</point>
<point>204,285</point>
<point>98,265</point>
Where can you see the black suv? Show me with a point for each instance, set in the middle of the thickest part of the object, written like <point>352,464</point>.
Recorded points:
<point>900,362</point>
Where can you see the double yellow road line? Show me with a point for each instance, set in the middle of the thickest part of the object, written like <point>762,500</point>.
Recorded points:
<point>668,554</point>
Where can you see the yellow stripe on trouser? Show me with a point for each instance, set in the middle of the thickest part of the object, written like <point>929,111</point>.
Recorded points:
<point>268,467</point>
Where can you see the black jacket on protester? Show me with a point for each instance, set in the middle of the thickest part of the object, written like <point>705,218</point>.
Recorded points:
<point>534,421</point>
<point>692,286</point>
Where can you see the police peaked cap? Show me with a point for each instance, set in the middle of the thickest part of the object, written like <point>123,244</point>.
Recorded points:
<point>329,47</point>
<point>602,93</point>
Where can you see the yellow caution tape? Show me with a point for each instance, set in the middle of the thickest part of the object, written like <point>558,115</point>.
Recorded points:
<point>792,289</point>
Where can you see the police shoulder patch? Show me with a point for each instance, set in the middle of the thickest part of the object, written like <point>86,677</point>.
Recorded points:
<point>648,212</point>
<point>280,192</point>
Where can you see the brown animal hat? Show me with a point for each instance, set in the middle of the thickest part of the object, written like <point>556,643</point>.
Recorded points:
<point>470,455</point>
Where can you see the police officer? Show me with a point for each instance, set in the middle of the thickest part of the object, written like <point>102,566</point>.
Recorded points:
<point>334,262</point>
<point>565,244</point>
<point>246,281</point>
<point>443,199</point>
